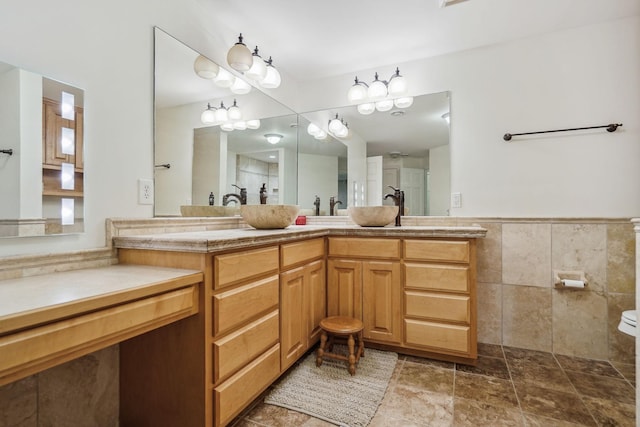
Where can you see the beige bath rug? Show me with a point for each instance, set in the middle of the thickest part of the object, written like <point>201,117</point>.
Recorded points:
<point>328,392</point>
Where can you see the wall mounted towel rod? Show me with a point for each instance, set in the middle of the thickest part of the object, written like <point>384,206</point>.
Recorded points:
<point>164,165</point>
<point>610,128</point>
<point>9,151</point>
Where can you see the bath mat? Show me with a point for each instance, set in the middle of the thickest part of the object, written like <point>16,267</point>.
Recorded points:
<point>328,392</point>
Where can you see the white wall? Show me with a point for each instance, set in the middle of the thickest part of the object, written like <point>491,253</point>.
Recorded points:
<point>584,76</point>
<point>438,183</point>
<point>10,139</point>
<point>317,176</point>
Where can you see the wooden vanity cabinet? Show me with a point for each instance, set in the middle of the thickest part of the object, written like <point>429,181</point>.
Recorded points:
<point>364,276</point>
<point>302,298</point>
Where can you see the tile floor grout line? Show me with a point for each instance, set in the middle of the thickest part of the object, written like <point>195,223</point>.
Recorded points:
<point>564,371</point>
<point>513,386</point>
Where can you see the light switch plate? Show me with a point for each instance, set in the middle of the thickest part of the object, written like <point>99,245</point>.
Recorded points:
<point>456,200</point>
<point>145,192</point>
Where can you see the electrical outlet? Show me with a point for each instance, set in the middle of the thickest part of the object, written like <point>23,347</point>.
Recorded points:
<point>145,192</point>
<point>456,200</point>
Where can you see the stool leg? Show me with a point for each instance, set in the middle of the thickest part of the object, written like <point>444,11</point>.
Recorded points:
<point>320,354</point>
<point>352,357</point>
<point>360,344</point>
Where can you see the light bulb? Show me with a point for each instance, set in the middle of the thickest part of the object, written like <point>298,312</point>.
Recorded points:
<point>321,134</point>
<point>221,114</point>
<point>343,131</point>
<point>357,93</point>
<point>259,69</point>
<point>240,87</point>
<point>234,112</point>
<point>335,125</point>
<point>224,78</point>
<point>366,109</point>
<point>208,116</point>
<point>405,102</point>
<point>272,79</point>
<point>205,68</point>
<point>240,125</point>
<point>253,124</point>
<point>377,90</point>
<point>239,56</point>
<point>397,85</point>
<point>67,107</point>
<point>312,129</point>
<point>384,105</point>
<point>227,127</point>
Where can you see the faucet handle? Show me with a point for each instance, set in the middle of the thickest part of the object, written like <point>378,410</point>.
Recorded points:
<point>233,185</point>
<point>393,188</point>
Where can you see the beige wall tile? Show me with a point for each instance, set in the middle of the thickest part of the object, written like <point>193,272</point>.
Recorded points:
<point>526,317</point>
<point>489,254</point>
<point>489,313</point>
<point>621,345</point>
<point>581,247</point>
<point>621,256</point>
<point>82,392</point>
<point>526,254</point>
<point>19,403</point>
<point>580,324</point>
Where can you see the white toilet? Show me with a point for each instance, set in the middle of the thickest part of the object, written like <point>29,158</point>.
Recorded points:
<point>628,322</point>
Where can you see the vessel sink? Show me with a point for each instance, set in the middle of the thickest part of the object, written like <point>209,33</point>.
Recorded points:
<point>269,216</point>
<point>206,210</point>
<point>372,216</point>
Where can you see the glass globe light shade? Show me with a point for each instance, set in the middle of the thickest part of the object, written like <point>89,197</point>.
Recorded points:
<point>258,70</point>
<point>343,132</point>
<point>208,116</point>
<point>272,79</point>
<point>384,105</point>
<point>357,93</point>
<point>227,127</point>
<point>240,125</point>
<point>366,109</point>
<point>205,68</point>
<point>222,114</point>
<point>313,129</point>
<point>397,86</point>
<point>321,134</point>
<point>404,102</point>
<point>224,78</point>
<point>234,112</point>
<point>335,125</point>
<point>239,56</point>
<point>377,90</point>
<point>253,124</point>
<point>240,87</point>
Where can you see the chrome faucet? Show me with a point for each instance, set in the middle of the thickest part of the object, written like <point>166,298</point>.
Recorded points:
<point>242,197</point>
<point>317,205</point>
<point>398,199</point>
<point>263,194</point>
<point>332,204</point>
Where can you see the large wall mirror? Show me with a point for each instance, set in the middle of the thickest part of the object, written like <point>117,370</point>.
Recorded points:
<point>41,155</point>
<point>406,148</point>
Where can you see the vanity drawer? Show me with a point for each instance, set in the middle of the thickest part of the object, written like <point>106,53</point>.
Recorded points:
<point>236,306</point>
<point>238,348</point>
<point>292,254</point>
<point>232,268</point>
<point>437,277</point>
<point>428,305</point>
<point>436,250</point>
<point>364,248</point>
<point>438,336</point>
<point>242,388</point>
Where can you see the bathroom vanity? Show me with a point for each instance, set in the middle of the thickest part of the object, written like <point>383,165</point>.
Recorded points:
<point>264,293</point>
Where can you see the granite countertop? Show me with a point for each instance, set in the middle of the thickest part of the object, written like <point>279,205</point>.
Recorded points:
<point>236,238</point>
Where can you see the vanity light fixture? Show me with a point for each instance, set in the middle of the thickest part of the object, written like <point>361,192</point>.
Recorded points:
<point>234,112</point>
<point>229,119</point>
<point>205,68</point>
<point>240,87</point>
<point>67,105</point>
<point>338,127</point>
<point>272,79</point>
<point>258,70</point>
<point>239,56</point>
<point>445,117</point>
<point>208,116</point>
<point>380,95</point>
<point>316,132</point>
<point>273,138</point>
<point>253,124</point>
<point>222,114</point>
<point>224,78</point>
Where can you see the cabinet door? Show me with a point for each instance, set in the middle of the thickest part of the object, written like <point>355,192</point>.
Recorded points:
<point>382,297</point>
<point>293,330</point>
<point>344,290</point>
<point>317,300</point>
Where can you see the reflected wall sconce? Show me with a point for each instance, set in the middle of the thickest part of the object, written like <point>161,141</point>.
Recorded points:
<point>445,117</point>
<point>205,68</point>
<point>381,95</point>
<point>273,138</point>
<point>338,127</point>
<point>67,106</point>
<point>241,59</point>
<point>229,119</point>
<point>315,131</point>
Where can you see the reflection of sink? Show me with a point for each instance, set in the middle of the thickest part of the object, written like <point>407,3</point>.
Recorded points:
<point>269,216</point>
<point>373,216</point>
<point>205,210</point>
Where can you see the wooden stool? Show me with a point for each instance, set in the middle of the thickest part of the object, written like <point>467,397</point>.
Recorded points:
<point>341,327</point>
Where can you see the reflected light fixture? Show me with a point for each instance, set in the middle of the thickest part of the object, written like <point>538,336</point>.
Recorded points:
<point>208,116</point>
<point>380,95</point>
<point>234,112</point>
<point>222,115</point>
<point>239,56</point>
<point>66,211</point>
<point>338,127</point>
<point>67,141</point>
<point>68,106</point>
<point>273,138</point>
<point>445,117</point>
<point>253,124</point>
<point>316,132</point>
<point>258,70</point>
<point>205,68</point>
<point>272,79</point>
<point>240,87</point>
<point>224,78</point>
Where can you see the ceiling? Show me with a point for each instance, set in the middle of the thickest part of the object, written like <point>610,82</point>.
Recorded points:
<point>312,40</point>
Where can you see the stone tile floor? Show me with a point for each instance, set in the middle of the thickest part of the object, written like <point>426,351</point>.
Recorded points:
<point>508,387</point>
